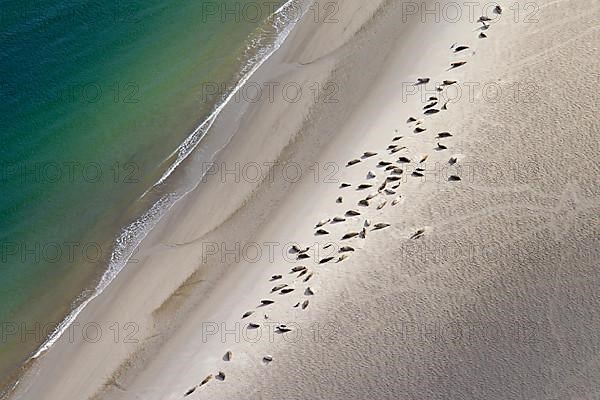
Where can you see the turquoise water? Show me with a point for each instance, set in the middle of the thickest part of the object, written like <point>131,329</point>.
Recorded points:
<point>95,97</point>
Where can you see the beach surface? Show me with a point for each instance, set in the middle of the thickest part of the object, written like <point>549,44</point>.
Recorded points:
<point>483,287</point>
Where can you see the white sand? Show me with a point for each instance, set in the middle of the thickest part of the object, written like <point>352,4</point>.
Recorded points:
<point>498,299</point>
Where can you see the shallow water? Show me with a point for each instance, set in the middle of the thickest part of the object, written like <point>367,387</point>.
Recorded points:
<point>95,98</point>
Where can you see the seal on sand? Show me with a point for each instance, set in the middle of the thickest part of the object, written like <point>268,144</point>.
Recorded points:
<point>322,222</point>
<point>380,225</point>
<point>418,234</point>
<point>457,64</point>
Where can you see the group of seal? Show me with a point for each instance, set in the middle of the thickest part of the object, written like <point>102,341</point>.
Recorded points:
<point>393,172</point>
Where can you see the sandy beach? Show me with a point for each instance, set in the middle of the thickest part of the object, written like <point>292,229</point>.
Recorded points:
<point>470,270</point>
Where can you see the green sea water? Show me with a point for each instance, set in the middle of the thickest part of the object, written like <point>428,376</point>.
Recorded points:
<point>94,98</point>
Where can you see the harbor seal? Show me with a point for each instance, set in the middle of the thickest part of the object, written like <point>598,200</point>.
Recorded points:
<point>278,287</point>
<point>380,225</point>
<point>457,64</point>
<point>283,328</point>
<point>206,380</point>
<point>322,222</point>
<point>363,202</point>
<point>302,273</point>
<point>325,260</point>
<point>427,106</point>
<point>418,234</point>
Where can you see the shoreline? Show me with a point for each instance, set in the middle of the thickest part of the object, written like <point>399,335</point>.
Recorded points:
<point>187,149</point>
<point>181,288</point>
<point>189,144</point>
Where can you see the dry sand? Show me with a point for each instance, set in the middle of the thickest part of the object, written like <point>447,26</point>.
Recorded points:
<point>497,299</point>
